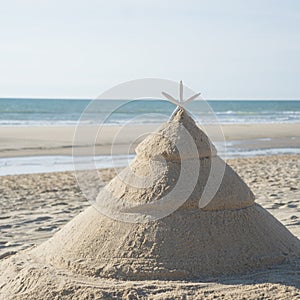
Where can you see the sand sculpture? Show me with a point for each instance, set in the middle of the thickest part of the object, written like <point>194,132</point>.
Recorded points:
<point>230,234</point>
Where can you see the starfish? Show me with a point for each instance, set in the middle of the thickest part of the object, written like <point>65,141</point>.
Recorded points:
<point>180,102</point>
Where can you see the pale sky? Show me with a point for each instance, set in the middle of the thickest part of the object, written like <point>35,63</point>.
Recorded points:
<point>233,49</point>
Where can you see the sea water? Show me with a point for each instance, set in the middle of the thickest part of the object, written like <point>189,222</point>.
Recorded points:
<point>45,112</point>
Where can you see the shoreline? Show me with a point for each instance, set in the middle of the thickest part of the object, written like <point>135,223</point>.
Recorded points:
<point>26,165</point>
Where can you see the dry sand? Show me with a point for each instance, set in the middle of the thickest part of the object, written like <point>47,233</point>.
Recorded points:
<point>55,140</point>
<point>33,207</point>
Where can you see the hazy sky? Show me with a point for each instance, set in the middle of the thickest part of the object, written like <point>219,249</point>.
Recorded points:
<point>225,49</point>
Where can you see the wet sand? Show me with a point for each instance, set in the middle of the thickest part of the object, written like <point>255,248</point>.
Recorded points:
<point>55,140</point>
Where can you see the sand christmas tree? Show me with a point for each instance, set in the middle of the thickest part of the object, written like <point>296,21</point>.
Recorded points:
<point>131,234</point>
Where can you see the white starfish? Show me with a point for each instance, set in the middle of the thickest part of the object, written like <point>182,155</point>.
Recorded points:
<point>180,102</point>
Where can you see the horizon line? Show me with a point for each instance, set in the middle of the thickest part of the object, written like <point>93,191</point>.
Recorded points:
<point>205,99</point>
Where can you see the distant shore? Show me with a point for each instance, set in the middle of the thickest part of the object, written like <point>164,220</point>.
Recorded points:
<point>58,140</point>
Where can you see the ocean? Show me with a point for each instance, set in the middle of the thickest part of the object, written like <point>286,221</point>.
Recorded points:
<point>48,112</point>
<point>53,112</point>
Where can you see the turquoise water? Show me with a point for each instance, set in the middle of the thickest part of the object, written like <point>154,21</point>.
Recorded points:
<point>36,112</point>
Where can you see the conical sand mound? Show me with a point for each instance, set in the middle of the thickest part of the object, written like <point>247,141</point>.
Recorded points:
<point>131,233</point>
<point>230,234</point>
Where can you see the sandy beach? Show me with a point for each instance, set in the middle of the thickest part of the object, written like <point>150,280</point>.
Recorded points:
<point>58,140</point>
<point>150,150</point>
<point>34,207</point>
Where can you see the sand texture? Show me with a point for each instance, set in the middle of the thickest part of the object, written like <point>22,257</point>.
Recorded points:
<point>148,229</point>
<point>48,201</point>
